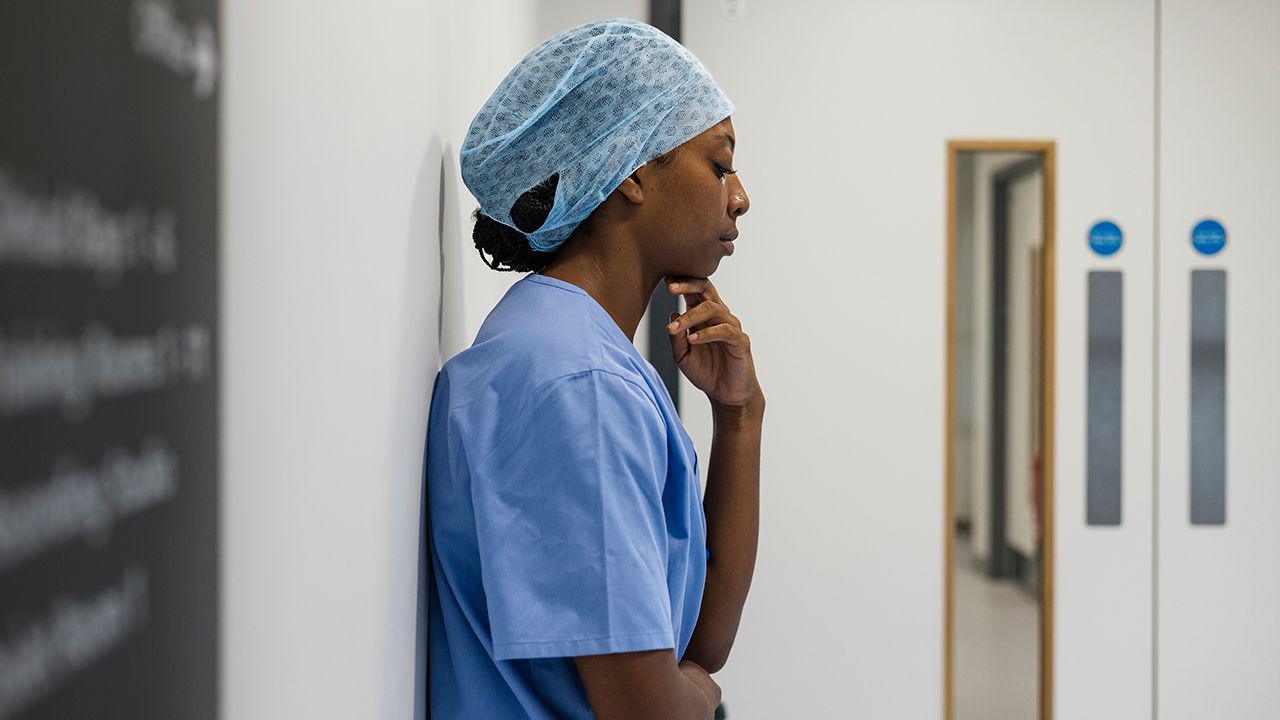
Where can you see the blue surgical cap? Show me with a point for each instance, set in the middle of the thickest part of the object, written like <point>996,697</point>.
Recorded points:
<point>593,104</point>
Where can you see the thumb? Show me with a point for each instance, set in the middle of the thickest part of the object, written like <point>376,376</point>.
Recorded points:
<point>679,341</point>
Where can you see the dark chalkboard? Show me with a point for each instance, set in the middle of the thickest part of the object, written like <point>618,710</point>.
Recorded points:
<point>108,381</point>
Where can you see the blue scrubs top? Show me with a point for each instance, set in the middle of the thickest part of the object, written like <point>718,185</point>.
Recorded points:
<point>564,504</point>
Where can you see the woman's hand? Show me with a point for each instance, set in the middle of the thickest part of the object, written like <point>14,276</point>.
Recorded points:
<point>715,354</point>
<point>699,677</point>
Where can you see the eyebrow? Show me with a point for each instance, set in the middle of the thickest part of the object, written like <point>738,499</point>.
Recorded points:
<point>727,136</point>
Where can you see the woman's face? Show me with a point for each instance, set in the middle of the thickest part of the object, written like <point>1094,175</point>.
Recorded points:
<point>693,203</point>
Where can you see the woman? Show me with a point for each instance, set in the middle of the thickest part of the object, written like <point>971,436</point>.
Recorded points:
<point>576,573</point>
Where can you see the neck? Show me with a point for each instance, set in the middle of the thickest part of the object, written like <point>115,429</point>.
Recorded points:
<point>610,271</point>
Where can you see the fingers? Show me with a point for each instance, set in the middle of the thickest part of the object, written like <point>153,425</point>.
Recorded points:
<point>708,312</point>
<point>679,341</point>
<point>694,289</point>
<point>722,333</point>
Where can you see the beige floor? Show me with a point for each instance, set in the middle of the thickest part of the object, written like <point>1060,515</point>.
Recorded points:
<point>996,646</point>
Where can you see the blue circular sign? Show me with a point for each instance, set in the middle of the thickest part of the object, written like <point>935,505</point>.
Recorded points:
<point>1105,237</point>
<point>1208,237</point>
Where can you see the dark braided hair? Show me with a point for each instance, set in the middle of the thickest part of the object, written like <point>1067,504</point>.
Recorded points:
<point>508,247</point>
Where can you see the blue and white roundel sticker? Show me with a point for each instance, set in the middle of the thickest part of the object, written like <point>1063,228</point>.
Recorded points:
<point>1105,237</point>
<point>1208,237</point>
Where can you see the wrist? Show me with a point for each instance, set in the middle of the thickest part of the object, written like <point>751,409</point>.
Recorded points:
<point>703,681</point>
<point>747,414</point>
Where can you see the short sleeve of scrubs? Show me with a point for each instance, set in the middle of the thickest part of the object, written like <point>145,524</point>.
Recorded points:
<point>570,525</point>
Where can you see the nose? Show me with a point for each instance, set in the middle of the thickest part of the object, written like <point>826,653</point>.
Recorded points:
<point>739,203</point>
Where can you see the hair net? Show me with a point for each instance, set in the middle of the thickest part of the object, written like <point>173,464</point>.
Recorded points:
<point>593,104</point>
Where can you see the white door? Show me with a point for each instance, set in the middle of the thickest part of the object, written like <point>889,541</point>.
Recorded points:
<point>1218,470</point>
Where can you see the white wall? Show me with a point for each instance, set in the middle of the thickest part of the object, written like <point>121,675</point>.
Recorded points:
<point>844,109</point>
<point>340,128</point>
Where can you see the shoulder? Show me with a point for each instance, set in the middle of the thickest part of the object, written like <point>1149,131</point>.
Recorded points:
<point>538,334</point>
<point>594,392</point>
<point>543,372</point>
<point>571,419</point>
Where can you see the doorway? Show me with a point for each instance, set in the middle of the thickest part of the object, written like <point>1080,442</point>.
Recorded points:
<point>999,430</point>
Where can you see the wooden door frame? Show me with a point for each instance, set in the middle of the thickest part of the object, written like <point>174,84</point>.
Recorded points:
<point>1046,149</point>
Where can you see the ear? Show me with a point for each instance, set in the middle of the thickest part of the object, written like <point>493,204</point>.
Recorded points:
<point>632,188</point>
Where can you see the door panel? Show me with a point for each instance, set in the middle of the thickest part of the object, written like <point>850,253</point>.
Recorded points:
<point>1218,524</point>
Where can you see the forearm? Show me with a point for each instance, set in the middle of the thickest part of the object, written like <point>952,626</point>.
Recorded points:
<point>732,507</point>
<point>644,685</point>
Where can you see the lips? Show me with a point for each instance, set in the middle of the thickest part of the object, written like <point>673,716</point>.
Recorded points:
<point>727,242</point>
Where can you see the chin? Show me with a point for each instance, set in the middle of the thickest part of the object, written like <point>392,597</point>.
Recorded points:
<point>704,268</point>
<point>700,266</point>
